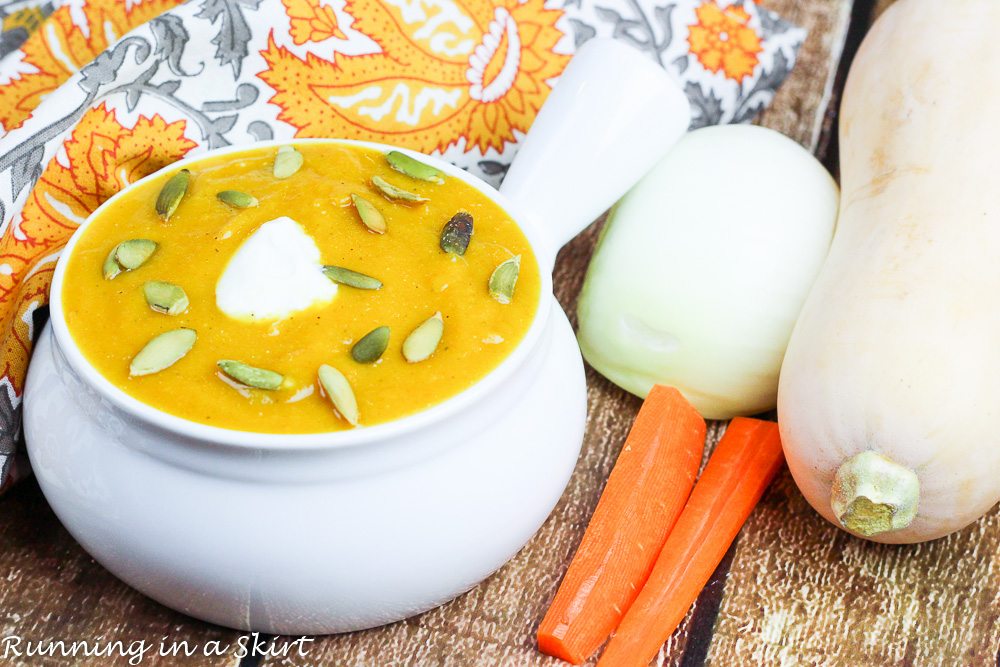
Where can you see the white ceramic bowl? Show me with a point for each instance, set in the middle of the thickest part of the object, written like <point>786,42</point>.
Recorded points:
<point>321,533</point>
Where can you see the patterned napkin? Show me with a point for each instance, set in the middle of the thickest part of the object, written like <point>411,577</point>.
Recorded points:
<point>95,94</point>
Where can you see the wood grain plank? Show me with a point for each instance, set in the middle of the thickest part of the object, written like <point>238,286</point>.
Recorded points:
<point>802,109</point>
<point>53,590</point>
<point>801,591</point>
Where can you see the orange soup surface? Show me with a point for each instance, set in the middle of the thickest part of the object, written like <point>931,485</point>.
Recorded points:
<point>272,247</point>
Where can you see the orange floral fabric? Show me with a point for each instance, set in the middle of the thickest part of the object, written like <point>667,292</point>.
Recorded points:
<point>53,54</point>
<point>312,22</point>
<point>723,40</point>
<point>486,98</point>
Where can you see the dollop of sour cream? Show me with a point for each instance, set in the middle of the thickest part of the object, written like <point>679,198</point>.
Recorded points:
<point>275,273</point>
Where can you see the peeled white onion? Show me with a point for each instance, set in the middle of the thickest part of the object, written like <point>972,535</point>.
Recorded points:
<point>702,268</point>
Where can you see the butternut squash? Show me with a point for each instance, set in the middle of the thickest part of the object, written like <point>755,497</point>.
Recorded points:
<point>890,388</point>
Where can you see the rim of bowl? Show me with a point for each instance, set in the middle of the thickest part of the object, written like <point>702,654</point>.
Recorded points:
<point>217,435</point>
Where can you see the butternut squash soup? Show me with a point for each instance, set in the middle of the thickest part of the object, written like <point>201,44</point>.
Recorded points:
<point>305,289</point>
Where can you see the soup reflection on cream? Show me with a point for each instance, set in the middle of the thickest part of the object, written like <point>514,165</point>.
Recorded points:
<point>305,289</point>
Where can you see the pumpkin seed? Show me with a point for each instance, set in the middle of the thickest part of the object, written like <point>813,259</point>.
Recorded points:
<point>423,341</point>
<point>251,376</point>
<point>405,164</point>
<point>237,199</point>
<point>395,193</point>
<point>111,267</point>
<point>126,256</point>
<point>370,216</point>
<point>371,346</point>
<point>162,352</point>
<point>133,253</point>
<point>338,390</point>
<point>339,274</point>
<point>287,162</point>
<point>504,280</point>
<point>165,298</point>
<point>172,193</point>
<point>457,233</point>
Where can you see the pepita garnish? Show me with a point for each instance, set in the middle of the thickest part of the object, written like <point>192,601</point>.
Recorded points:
<point>457,233</point>
<point>111,268</point>
<point>338,390</point>
<point>172,193</point>
<point>370,216</point>
<point>405,164</point>
<point>395,193</point>
<point>423,341</point>
<point>251,376</point>
<point>237,199</point>
<point>133,253</point>
<point>504,280</point>
<point>128,256</point>
<point>166,298</point>
<point>342,276</point>
<point>162,352</point>
<point>287,162</point>
<point>371,346</point>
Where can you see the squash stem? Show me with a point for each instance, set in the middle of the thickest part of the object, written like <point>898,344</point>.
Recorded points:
<point>873,495</point>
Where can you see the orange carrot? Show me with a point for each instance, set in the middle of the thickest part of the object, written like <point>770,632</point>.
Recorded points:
<point>739,470</point>
<point>643,498</point>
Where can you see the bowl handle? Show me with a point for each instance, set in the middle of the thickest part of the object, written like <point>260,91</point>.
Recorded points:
<point>610,118</point>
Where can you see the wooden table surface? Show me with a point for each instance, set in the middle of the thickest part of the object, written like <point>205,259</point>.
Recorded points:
<point>792,590</point>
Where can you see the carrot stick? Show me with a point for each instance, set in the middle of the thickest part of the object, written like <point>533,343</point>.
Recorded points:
<point>739,470</point>
<point>643,498</point>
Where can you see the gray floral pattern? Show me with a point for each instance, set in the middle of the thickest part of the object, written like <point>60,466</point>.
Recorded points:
<point>233,36</point>
<point>660,29</point>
